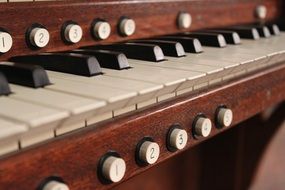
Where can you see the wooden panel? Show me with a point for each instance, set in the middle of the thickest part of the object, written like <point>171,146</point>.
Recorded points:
<point>228,161</point>
<point>75,156</point>
<point>152,18</point>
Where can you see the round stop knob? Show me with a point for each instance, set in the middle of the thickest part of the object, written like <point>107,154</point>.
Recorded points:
<point>127,27</point>
<point>177,138</point>
<point>261,12</point>
<point>55,185</point>
<point>184,20</point>
<point>113,168</point>
<point>148,152</point>
<point>202,126</point>
<point>224,117</point>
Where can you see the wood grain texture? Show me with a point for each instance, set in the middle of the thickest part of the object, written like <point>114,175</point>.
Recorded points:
<point>228,161</point>
<point>75,156</point>
<point>152,18</point>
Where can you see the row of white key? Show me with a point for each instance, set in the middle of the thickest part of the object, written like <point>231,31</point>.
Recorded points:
<point>36,114</point>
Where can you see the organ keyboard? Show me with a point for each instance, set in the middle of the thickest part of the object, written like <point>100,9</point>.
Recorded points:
<point>89,78</point>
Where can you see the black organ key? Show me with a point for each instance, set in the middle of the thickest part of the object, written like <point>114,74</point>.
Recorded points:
<point>207,39</point>
<point>281,26</point>
<point>263,31</point>
<point>145,52</point>
<point>231,37</point>
<point>244,32</point>
<point>274,29</point>
<point>191,45</point>
<point>4,86</point>
<point>169,48</point>
<point>63,62</point>
<point>107,59</point>
<point>26,75</point>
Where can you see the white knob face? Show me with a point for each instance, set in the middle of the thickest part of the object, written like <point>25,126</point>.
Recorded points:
<point>102,30</point>
<point>6,42</point>
<point>73,33</point>
<point>114,169</point>
<point>184,20</point>
<point>203,127</point>
<point>39,37</point>
<point>149,152</point>
<point>225,117</point>
<point>178,139</point>
<point>55,185</point>
<point>127,27</point>
<point>261,12</point>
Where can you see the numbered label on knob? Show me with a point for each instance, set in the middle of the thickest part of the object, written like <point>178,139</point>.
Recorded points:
<point>39,37</point>
<point>6,42</point>
<point>202,126</point>
<point>224,117</point>
<point>73,33</point>
<point>148,152</point>
<point>101,30</point>
<point>127,27</point>
<point>113,168</point>
<point>177,138</point>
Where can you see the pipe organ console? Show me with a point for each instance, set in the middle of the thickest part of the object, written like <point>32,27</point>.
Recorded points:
<point>115,94</point>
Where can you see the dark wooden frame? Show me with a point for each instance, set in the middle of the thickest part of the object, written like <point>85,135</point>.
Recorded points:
<point>152,18</point>
<point>75,156</point>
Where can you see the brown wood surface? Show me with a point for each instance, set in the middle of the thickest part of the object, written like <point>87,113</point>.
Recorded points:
<point>152,18</point>
<point>75,156</point>
<point>231,160</point>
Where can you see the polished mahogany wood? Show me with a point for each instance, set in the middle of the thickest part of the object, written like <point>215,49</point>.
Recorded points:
<point>231,160</point>
<point>152,18</point>
<point>75,156</point>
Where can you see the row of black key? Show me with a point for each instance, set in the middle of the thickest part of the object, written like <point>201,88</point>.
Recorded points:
<point>89,60</point>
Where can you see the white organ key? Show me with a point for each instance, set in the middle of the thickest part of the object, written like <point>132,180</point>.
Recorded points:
<point>80,108</point>
<point>258,57</point>
<point>211,72</point>
<point>271,47</point>
<point>233,51</point>
<point>268,46</point>
<point>145,90</point>
<point>40,120</point>
<point>9,135</point>
<point>192,77</point>
<point>170,78</point>
<point>6,42</point>
<point>10,129</point>
<point>31,114</point>
<point>229,67</point>
<point>115,98</point>
<point>245,60</point>
<point>256,52</point>
<point>235,64</point>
